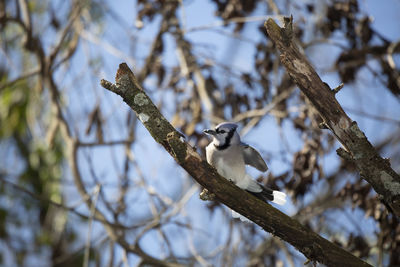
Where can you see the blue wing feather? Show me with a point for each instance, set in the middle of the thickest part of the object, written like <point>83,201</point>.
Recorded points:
<point>253,158</point>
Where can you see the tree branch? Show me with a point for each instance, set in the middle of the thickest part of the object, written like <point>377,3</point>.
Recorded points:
<point>313,246</point>
<point>372,167</point>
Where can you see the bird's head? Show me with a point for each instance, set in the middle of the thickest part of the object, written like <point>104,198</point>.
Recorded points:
<point>224,135</point>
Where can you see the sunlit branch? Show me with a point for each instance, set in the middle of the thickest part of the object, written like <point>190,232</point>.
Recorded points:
<point>313,246</point>
<point>372,167</point>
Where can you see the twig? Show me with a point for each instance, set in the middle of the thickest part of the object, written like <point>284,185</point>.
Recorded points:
<point>92,211</point>
<point>263,111</point>
<point>23,76</point>
<point>372,116</point>
<point>338,88</point>
<point>59,205</point>
<point>188,65</point>
<point>87,35</point>
<point>99,144</point>
<point>391,49</point>
<point>257,114</point>
<point>231,21</point>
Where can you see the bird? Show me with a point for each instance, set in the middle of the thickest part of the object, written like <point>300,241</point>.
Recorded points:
<point>229,156</point>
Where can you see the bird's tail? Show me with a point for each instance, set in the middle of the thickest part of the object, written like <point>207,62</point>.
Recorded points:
<point>267,194</point>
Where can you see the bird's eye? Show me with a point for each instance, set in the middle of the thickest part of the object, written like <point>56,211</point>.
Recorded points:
<point>222,131</point>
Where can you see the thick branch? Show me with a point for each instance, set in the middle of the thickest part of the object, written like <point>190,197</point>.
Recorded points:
<point>313,246</point>
<point>372,167</point>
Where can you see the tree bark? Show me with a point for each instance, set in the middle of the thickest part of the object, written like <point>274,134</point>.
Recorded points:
<point>356,147</point>
<point>313,246</point>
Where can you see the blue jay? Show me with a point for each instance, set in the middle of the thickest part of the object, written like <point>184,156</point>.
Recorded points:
<point>229,156</point>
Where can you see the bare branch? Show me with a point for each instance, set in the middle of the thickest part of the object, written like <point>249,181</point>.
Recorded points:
<point>313,246</point>
<point>376,170</point>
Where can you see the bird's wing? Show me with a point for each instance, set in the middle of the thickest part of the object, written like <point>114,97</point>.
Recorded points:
<point>253,158</point>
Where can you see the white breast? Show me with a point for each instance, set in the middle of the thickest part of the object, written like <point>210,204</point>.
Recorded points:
<point>228,162</point>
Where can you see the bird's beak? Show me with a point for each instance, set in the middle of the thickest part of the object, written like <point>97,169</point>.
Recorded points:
<point>210,132</point>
